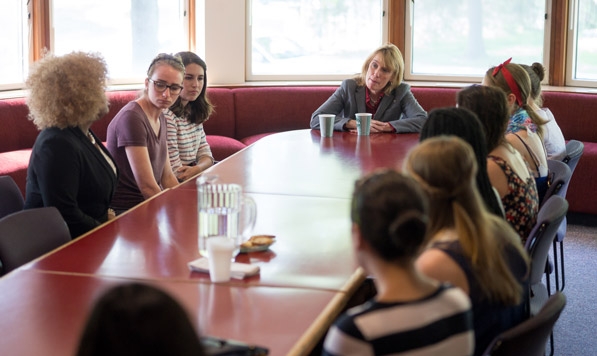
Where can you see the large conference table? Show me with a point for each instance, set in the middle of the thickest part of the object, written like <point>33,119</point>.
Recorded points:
<point>302,185</point>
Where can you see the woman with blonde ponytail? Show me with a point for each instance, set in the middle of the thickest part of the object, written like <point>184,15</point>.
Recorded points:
<point>469,247</point>
<point>526,128</point>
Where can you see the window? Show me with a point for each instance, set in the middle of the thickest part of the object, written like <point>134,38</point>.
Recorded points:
<point>462,40</point>
<point>582,43</point>
<point>14,60</point>
<point>129,34</point>
<point>312,39</point>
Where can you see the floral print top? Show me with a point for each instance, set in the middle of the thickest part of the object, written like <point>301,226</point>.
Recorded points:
<point>521,204</point>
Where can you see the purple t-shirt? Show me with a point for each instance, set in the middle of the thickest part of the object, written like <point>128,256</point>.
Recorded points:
<point>130,127</point>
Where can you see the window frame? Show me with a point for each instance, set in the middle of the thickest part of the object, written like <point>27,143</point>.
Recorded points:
<point>249,77</point>
<point>408,48</point>
<point>571,48</point>
<point>204,40</point>
<point>43,35</point>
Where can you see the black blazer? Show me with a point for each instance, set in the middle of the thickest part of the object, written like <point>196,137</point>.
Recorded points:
<point>68,172</point>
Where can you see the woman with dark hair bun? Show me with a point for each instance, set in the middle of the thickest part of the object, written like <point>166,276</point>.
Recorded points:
<point>465,124</point>
<point>188,149</point>
<point>389,215</point>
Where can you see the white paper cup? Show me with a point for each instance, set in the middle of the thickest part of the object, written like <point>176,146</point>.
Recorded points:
<point>220,250</point>
<point>326,124</point>
<point>363,123</point>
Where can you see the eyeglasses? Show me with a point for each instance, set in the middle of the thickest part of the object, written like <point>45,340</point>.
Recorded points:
<point>161,87</point>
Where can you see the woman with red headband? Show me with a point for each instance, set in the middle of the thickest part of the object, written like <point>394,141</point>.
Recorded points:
<point>525,128</point>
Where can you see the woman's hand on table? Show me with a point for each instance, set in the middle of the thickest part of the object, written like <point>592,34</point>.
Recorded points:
<point>376,126</point>
<point>380,126</point>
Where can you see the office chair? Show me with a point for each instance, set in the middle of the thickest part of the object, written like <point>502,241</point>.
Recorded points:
<point>28,234</point>
<point>529,337</point>
<point>574,150</point>
<point>11,199</point>
<point>551,215</point>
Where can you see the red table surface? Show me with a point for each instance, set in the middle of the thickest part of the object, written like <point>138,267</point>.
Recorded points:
<point>157,239</point>
<point>44,313</point>
<point>303,163</point>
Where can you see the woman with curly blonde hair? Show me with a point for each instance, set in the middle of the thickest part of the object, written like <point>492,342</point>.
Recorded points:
<point>469,247</point>
<point>69,168</point>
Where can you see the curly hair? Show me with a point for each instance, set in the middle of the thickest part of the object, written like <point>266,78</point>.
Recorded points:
<point>199,110</point>
<point>392,59</point>
<point>67,91</point>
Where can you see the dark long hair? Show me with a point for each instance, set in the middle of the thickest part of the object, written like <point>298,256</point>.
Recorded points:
<point>138,319</point>
<point>198,111</point>
<point>465,124</point>
<point>491,107</point>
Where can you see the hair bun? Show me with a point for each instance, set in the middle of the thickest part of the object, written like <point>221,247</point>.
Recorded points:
<point>407,232</point>
<point>539,70</point>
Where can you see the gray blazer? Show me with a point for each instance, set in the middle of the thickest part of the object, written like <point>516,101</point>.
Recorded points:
<point>399,108</point>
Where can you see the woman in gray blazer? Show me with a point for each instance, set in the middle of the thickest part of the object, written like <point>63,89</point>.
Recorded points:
<point>378,90</point>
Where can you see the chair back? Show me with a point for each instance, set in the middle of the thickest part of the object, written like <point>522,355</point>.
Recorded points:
<point>559,178</point>
<point>28,234</point>
<point>529,337</point>
<point>11,199</point>
<point>550,216</point>
<point>574,150</point>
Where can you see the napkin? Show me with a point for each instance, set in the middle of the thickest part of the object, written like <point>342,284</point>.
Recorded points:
<point>237,270</point>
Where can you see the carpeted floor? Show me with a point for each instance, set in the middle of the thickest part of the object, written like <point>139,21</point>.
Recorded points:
<point>575,333</point>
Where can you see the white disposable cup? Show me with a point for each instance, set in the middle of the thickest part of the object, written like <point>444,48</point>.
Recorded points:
<point>363,123</point>
<point>220,250</point>
<point>326,124</point>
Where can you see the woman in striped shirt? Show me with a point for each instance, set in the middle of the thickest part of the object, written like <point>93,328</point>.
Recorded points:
<point>411,313</point>
<point>188,149</point>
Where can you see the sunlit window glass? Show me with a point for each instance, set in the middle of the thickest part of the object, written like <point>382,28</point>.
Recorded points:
<point>14,60</point>
<point>129,34</point>
<point>313,37</point>
<point>467,37</point>
<point>586,40</point>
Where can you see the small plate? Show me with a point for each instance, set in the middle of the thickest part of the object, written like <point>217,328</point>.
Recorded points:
<point>256,248</point>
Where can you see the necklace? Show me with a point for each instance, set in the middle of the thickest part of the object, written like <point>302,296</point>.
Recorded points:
<point>91,138</point>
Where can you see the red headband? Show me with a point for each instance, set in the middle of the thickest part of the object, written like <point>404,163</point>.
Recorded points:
<point>509,80</point>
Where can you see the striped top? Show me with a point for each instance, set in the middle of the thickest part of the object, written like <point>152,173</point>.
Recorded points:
<point>440,324</point>
<point>186,141</point>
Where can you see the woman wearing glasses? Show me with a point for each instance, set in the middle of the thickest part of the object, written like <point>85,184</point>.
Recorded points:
<point>137,137</point>
<point>189,151</point>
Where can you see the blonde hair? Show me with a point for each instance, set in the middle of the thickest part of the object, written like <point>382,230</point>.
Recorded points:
<point>445,166</point>
<point>392,59</point>
<point>67,91</point>
<point>523,82</point>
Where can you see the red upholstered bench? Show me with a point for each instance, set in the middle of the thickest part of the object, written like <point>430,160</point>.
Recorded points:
<point>243,115</point>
